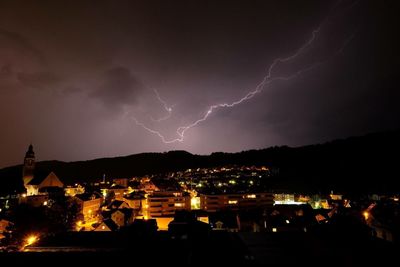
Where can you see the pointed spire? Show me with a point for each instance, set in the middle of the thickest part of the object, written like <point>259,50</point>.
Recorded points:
<point>30,153</point>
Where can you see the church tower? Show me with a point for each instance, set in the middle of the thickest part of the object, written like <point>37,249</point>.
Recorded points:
<point>29,165</point>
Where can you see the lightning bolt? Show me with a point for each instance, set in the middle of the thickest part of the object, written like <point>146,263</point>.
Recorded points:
<point>267,80</point>
<point>167,108</point>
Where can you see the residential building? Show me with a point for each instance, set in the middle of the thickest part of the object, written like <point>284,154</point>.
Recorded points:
<point>135,200</point>
<point>118,204</point>
<point>166,203</point>
<point>74,190</point>
<point>106,226</point>
<point>121,181</point>
<point>122,217</point>
<point>89,204</point>
<point>118,191</point>
<point>215,202</point>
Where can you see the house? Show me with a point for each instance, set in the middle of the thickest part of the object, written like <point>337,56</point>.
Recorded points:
<point>135,200</point>
<point>384,220</point>
<point>118,204</point>
<point>5,225</point>
<point>122,217</point>
<point>287,218</point>
<point>121,181</point>
<point>74,190</point>
<point>106,226</point>
<point>225,220</point>
<point>89,204</point>
<point>41,181</point>
<point>159,184</point>
<point>118,191</point>
<point>5,228</point>
<point>186,226</point>
<point>166,185</point>
<point>144,226</point>
<point>148,186</point>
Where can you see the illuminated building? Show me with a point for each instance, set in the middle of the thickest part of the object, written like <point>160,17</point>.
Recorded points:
<point>148,186</point>
<point>336,196</point>
<point>118,190</point>
<point>121,181</point>
<point>121,217</point>
<point>89,205</point>
<point>72,191</point>
<point>164,197</point>
<point>4,227</point>
<point>235,201</point>
<point>290,199</point>
<point>41,181</point>
<point>195,203</point>
<point>166,203</point>
<point>135,200</point>
<point>284,198</point>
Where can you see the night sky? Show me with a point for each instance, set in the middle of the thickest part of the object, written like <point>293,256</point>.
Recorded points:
<point>80,79</point>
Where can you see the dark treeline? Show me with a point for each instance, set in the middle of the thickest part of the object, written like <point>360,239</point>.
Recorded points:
<point>357,164</point>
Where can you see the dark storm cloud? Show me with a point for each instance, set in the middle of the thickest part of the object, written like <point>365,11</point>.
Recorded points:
<point>15,41</point>
<point>39,80</point>
<point>17,56</point>
<point>70,90</point>
<point>119,87</point>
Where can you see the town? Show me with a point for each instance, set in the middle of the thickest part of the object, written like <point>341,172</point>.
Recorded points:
<point>199,132</point>
<point>179,205</point>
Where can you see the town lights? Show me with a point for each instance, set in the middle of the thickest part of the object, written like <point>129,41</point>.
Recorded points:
<point>31,239</point>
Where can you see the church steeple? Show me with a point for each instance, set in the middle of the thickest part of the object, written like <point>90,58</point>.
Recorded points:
<point>29,165</point>
<point>30,153</point>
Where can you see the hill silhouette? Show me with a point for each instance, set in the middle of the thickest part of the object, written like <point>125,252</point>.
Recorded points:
<point>356,165</point>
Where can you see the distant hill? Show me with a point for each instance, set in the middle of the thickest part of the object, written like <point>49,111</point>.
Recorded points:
<point>367,163</point>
